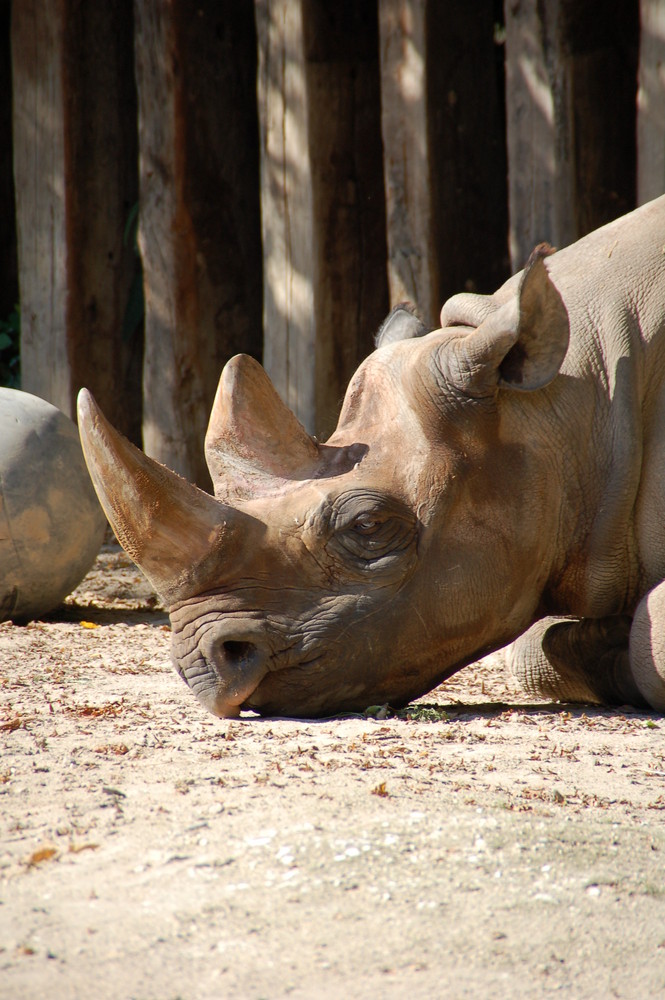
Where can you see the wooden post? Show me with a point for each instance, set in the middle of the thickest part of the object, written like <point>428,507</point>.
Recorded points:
<point>539,128</point>
<point>344,101</point>
<point>39,168</point>
<point>651,102</point>
<point>571,150</point>
<point>321,198</point>
<point>74,164</point>
<point>8,269</point>
<point>466,135</point>
<point>287,207</point>
<point>199,218</point>
<point>445,185</point>
<point>411,248</point>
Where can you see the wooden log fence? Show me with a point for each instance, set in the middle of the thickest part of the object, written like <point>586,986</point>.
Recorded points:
<point>298,167</point>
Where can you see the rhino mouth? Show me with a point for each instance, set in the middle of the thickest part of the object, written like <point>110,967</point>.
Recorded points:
<point>294,691</point>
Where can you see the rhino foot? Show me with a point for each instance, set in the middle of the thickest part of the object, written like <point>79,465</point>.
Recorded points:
<point>583,660</point>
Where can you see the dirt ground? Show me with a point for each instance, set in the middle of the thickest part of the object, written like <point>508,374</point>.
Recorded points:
<point>479,845</point>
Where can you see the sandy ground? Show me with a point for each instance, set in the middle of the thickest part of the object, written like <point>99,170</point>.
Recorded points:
<point>484,846</point>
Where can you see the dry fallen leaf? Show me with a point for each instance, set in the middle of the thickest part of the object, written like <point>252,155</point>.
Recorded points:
<point>12,725</point>
<point>119,749</point>
<point>89,625</point>
<point>41,854</point>
<point>381,791</point>
<point>95,711</point>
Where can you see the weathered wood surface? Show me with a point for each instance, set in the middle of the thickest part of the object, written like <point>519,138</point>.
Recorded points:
<point>444,151</point>
<point>74,140</point>
<point>39,167</point>
<point>466,135</point>
<point>199,220</point>
<point>604,56</point>
<point>411,254</point>
<point>540,180</point>
<point>287,207</point>
<point>651,102</point>
<point>351,287</point>
<point>570,96</point>
<point>321,198</point>
<point>9,264</point>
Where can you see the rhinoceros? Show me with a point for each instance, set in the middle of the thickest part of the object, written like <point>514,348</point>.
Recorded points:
<point>500,477</point>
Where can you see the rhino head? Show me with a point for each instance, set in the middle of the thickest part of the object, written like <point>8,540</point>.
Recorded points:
<point>322,578</point>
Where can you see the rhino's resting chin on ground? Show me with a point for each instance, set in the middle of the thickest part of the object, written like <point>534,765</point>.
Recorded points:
<point>482,478</point>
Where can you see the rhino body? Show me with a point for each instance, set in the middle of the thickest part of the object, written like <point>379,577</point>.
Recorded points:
<point>501,477</point>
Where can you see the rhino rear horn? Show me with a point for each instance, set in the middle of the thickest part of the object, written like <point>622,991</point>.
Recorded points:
<point>176,533</point>
<point>253,437</point>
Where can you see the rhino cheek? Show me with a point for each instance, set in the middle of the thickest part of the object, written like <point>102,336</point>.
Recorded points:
<point>222,668</point>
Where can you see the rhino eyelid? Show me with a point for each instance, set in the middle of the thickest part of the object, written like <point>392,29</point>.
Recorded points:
<point>365,525</point>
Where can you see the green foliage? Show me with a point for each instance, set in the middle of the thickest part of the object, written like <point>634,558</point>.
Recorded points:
<point>10,363</point>
<point>423,713</point>
<point>132,321</point>
<point>412,713</point>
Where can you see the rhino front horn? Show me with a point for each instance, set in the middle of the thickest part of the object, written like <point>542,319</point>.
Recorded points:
<point>176,533</point>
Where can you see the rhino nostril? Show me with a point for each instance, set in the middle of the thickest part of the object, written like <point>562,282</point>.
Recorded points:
<point>236,652</point>
<point>228,668</point>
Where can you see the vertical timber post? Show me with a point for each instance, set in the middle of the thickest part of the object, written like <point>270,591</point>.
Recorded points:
<point>8,271</point>
<point>444,151</point>
<point>322,202</point>
<point>287,207</point>
<point>199,230</point>
<point>539,126</point>
<point>344,101</point>
<point>466,135</point>
<point>571,150</point>
<point>39,169</point>
<point>411,247</point>
<point>75,181</point>
<point>651,102</point>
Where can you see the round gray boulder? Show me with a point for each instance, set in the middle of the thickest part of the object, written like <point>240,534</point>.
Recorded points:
<point>51,523</point>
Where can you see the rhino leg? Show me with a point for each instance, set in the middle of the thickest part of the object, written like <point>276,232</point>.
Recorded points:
<point>647,647</point>
<point>573,659</point>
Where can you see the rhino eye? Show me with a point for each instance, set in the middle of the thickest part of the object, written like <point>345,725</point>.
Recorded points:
<point>372,533</point>
<point>366,525</point>
<point>374,543</point>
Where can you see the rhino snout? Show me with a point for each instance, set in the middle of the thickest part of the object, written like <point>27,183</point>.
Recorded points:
<point>226,668</point>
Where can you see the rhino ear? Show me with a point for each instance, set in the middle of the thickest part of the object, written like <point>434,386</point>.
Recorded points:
<point>400,324</point>
<point>252,436</point>
<point>174,532</point>
<point>520,345</point>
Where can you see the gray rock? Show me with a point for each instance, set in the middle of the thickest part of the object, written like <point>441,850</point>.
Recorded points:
<point>51,523</point>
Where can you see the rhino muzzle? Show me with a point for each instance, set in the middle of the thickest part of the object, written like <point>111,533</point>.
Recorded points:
<point>225,668</point>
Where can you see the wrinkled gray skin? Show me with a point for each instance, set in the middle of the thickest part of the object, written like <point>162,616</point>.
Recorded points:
<point>482,478</point>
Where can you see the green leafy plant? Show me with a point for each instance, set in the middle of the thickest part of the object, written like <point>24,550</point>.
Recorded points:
<point>10,358</point>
